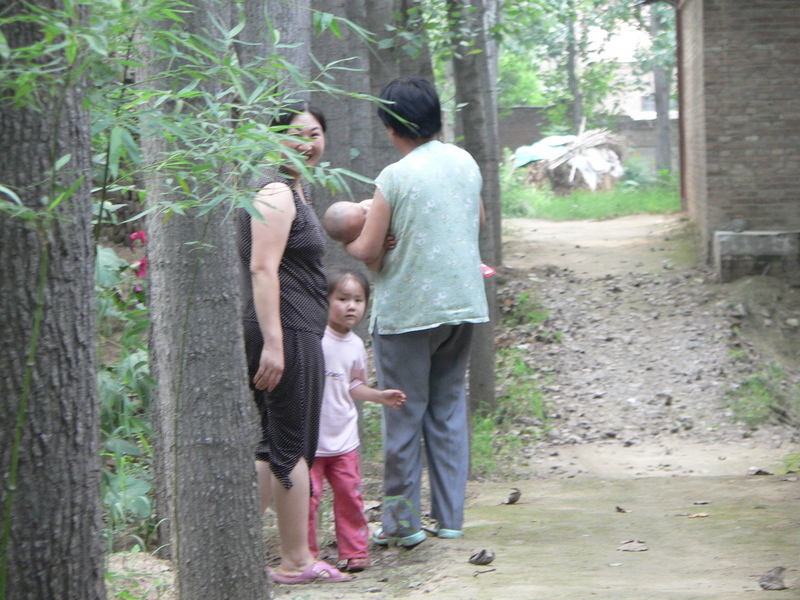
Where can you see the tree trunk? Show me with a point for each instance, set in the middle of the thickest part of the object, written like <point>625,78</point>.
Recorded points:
<point>478,123</point>
<point>50,541</point>
<point>291,22</point>
<point>348,120</point>
<point>661,83</point>
<point>204,416</point>
<point>572,70</point>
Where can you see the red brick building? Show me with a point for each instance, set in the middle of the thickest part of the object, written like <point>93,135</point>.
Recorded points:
<point>739,69</point>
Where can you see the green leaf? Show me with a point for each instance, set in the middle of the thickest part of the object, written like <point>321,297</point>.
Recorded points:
<point>66,193</point>
<point>10,193</point>
<point>132,147</point>
<point>120,446</point>
<point>236,30</point>
<point>5,51</point>
<point>108,267</point>
<point>114,143</point>
<point>322,21</point>
<point>62,161</point>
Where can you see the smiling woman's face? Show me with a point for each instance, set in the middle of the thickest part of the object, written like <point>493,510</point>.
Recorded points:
<point>310,138</point>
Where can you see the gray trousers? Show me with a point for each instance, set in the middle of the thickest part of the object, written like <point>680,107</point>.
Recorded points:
<point>430,367</point>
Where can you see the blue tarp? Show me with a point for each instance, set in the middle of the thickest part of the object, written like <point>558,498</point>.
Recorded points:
<point>548,148</point>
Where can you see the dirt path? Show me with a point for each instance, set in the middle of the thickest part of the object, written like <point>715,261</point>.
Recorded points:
<point>636,388</point>
<point>637,357</point>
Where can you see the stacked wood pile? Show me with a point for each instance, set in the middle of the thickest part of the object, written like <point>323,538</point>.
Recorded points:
<point>563,178</point>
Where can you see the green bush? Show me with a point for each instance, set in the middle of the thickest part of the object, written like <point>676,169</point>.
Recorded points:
<point>125,389</point>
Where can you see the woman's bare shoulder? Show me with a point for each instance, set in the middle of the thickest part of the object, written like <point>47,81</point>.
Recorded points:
<point>274,196</point>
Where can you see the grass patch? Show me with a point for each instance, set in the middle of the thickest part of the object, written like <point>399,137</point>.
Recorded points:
<point>526,310</point>
<point>791,463</point>
<point>764,395</point>
<point>520,419</point>
<point>371,440</point>
<point>630,197</point>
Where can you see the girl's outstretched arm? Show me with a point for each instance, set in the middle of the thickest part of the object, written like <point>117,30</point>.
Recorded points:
<point>391,398</point>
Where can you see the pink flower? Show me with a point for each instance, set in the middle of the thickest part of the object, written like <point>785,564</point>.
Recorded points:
<point>138,235</point>
<point>140,267</point>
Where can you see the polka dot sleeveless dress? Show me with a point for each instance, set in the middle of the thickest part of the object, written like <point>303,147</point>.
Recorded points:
<point>290,412</point>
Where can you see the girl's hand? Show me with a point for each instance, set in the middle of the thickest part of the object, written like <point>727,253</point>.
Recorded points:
<point>270,368</point>
<point>393,398</point>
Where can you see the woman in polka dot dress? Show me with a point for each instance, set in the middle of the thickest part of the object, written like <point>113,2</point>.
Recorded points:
<point>285,313</point>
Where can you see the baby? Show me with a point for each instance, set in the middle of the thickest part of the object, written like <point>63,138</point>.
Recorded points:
<point>344,220</point>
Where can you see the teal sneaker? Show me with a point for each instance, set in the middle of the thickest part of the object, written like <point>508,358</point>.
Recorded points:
<point>449,534</point>
<point>408,541</point>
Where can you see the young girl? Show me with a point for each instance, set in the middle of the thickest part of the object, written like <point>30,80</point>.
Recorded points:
<point>337,452</point>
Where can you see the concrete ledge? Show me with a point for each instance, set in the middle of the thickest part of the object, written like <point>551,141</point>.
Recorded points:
<point>739,254</point>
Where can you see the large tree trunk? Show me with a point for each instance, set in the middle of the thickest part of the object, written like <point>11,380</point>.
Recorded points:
<point>290,22</point>
<point>348,120</point>
<point>204,415</point>
<point>478,122</point>
<point>51,543</point>
<point>661,83</point>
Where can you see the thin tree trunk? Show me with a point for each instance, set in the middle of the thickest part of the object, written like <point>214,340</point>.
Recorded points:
<point>204,416</point>
<point>661,83</point>
<point>478,123</point>
<point>50,540</point>
<point>572,70</point>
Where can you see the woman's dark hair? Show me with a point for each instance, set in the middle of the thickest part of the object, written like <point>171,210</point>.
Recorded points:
<point>415,101</point>
<point>337,277</point>
<point>286,113</point>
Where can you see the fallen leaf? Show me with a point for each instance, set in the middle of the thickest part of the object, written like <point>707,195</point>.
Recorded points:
<point>703,502</point>
<point>623,510</point>
<point>699,516</point>
<point>482,557</point>
<point>773,579</point>
<point>633,546</point>
<point>754,471</point>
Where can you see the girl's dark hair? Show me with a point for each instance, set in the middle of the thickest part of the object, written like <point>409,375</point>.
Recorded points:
<point>337,277</point>
<point>286,113</point>
<point>415,101</point>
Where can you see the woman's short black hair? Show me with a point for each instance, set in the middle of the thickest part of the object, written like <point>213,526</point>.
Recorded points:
<point>415,101</point>
<point>337,277</point>
<point>286,113</point>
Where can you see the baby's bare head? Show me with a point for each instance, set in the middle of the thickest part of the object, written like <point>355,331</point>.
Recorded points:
<point>344,220</point>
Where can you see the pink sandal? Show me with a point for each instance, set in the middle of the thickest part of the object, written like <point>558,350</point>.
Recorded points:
<point>356,565</point>
<point>319,571</point>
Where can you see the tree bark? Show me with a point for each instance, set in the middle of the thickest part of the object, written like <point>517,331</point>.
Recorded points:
<point>661,84</point>
<point>204,415</point>
<point>474,89</point>
<point>51,536</point>
<point>572,70</point>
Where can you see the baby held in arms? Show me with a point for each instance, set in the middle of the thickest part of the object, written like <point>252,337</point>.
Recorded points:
<point>344,220</point>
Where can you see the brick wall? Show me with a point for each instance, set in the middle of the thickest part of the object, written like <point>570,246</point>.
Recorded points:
<point>749,94</point>
<point>521,126</point>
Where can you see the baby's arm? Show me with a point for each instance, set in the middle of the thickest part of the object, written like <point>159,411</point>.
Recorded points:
<point>391,398</point>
